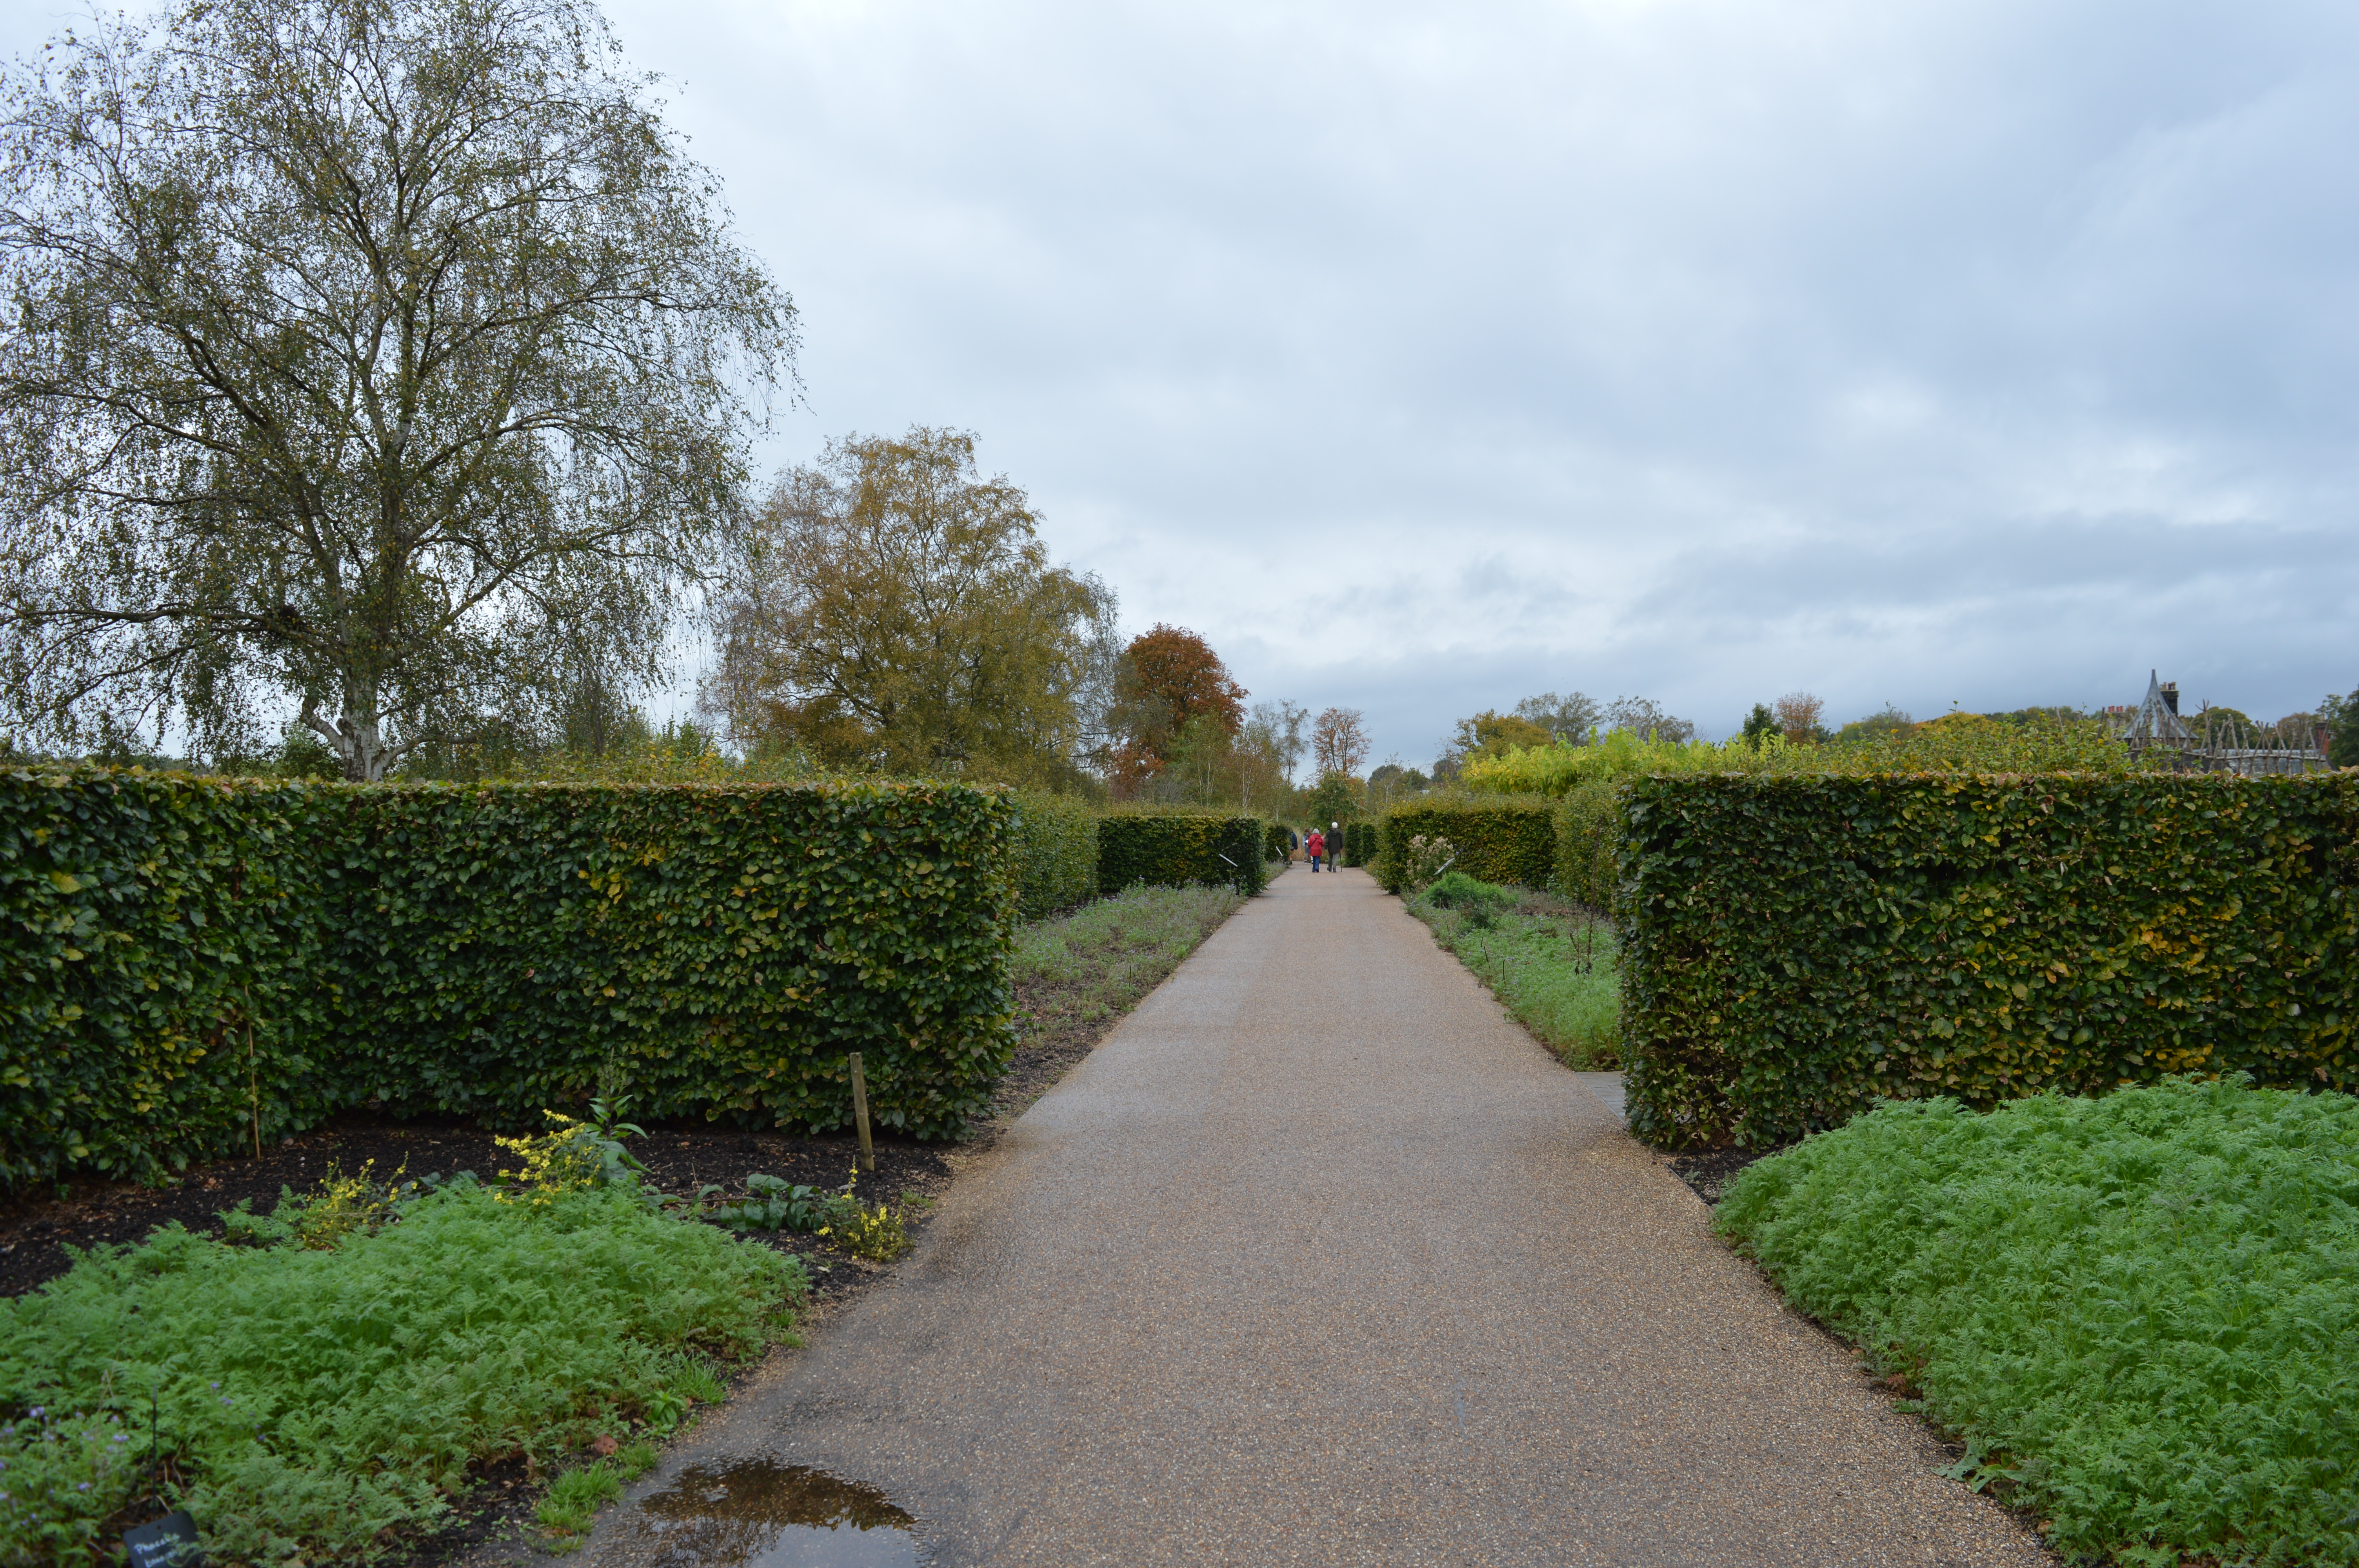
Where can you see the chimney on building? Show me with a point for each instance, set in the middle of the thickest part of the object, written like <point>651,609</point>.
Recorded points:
<point>2170,696</point>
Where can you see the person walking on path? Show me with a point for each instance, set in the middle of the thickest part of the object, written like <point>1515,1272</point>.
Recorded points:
<point>1317,847</point>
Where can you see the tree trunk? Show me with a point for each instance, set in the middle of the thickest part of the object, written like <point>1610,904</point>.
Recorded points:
<point>358,737</point>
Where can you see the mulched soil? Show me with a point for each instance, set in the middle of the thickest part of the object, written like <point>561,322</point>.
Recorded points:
<point>1709,1171</point>
<point>35,1232</point>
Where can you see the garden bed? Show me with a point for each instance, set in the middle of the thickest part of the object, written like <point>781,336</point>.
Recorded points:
<point>1552,963</point>
<point>35,1231</point>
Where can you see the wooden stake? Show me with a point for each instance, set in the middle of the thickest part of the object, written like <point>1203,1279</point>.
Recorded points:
<point>860,1114</point>
<point>252,1083</point>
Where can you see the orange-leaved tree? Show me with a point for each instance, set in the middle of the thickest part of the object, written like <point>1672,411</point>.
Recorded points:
<point>1168,677</point>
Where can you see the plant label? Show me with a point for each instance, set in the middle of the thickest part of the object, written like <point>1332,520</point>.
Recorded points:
<point>166,1542</point>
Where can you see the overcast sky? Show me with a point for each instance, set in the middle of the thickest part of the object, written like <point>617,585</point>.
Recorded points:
<point>1423,358</point>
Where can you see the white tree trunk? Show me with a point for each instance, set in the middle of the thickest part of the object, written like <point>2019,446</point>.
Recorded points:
<point>356,736</point>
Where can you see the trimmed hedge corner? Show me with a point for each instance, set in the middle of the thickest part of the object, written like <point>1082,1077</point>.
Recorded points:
<point>1278,842</point>
<point>1174,850</point>
<point>1359,843</point>
<point>1056,851</point>
<point>184,959</point>
<point>1507,839</point>
<point>1798,947</point>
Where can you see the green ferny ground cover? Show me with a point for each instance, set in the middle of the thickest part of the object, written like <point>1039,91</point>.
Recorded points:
<point>2140,1312</point>
<point>307,1400</point>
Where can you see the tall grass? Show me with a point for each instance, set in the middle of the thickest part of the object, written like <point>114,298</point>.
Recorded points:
<point>303,1401</point>
<point>2140,1312</point>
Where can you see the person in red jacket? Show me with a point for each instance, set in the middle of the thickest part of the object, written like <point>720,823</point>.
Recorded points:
<point>1316,846</point>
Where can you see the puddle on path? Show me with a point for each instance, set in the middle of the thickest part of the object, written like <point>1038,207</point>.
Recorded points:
<point>760,1514</point>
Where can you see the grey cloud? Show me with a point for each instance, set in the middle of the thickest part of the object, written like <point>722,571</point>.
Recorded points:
<point>1985,350</point>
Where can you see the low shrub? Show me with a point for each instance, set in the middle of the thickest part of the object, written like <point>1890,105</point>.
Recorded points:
<point>873,1232</point>
<point>1456,890</point>
<point>1499,839</point>
<point>1055,852</point>
<point>1168,848</point>
<point>1801,947</point>
<point>1423,861</point>
<point>307,1400</point>
<point>2137,1311</point>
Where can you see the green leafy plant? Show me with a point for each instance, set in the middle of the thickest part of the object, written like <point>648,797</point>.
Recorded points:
<point>578,1155</point>
<point>1799,947</point>
<point>636,1458</point>
<point>2136,1311</point>
<point>1456,890</point>
<point>306,1400</point>
<point>771,1203</point>
<point>877,1234</point>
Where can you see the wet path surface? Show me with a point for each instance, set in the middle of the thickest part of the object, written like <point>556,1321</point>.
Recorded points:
<point>1321,1260</point>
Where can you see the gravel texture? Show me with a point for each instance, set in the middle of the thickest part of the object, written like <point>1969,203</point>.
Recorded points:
<point>1321,1260</point>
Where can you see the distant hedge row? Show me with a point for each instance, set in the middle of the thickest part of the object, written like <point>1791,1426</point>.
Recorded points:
<point>1179,848</point>
<point>183,957</point>
<point>1500,838</point>
<point>1797,947</point>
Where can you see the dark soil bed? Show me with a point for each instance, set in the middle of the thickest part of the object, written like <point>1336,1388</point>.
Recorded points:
<point>1709,1171</point>
<point>35,1232</point>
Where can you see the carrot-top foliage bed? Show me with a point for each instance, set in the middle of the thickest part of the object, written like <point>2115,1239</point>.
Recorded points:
<point>318,1384</point>
<point>2140,1312</point>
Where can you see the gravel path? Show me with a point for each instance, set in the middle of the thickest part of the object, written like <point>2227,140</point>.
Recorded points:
<point>1321,1260</point>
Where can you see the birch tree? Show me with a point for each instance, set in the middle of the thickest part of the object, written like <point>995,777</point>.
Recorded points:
<point>378,363</point>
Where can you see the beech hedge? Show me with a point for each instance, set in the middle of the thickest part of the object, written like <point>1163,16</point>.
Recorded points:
<point>715,950</point>
<point>1796,948</point>
<point>1507,839</point>
<point>1056,853</point>
<point>1177,848</point>
<point>159,947</point>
